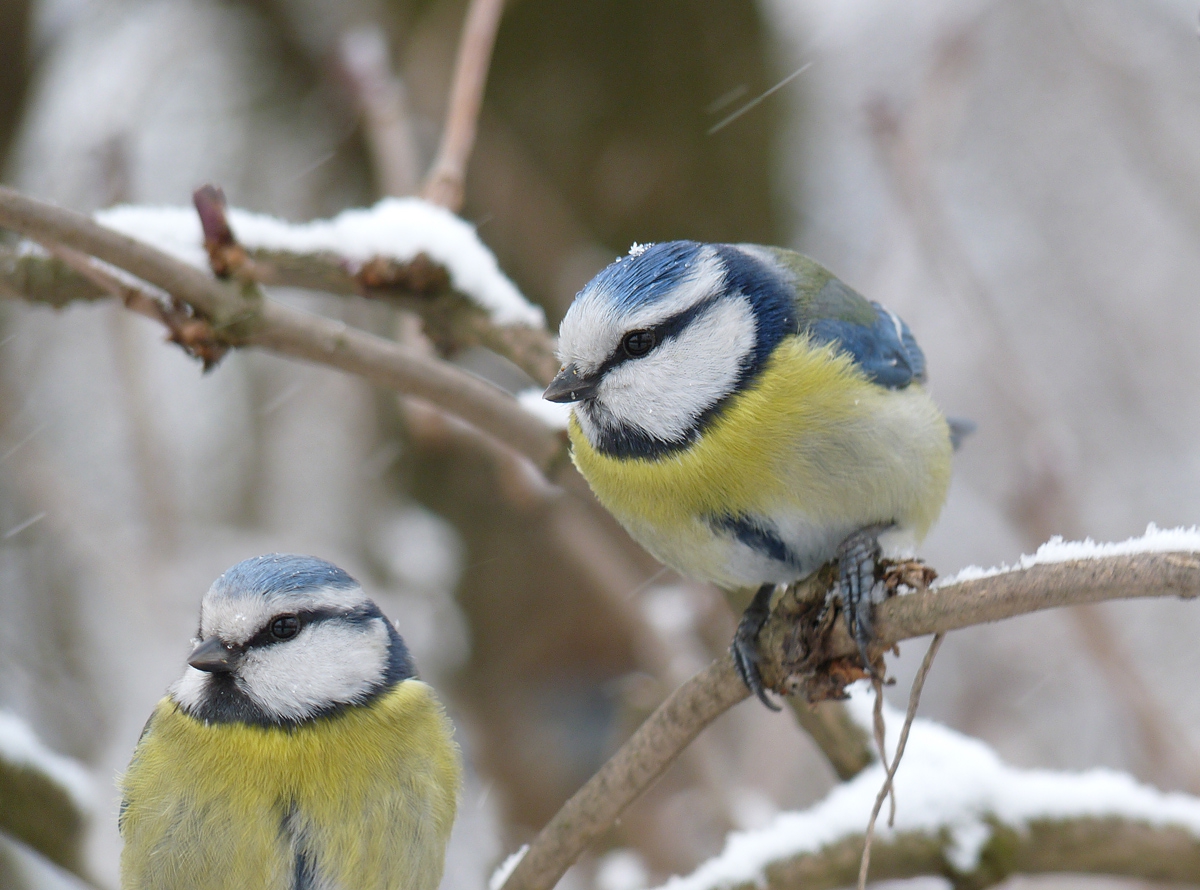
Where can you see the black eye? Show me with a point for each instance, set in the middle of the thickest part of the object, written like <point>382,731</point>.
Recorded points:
<point>285,627</point>
<point>638,343</point>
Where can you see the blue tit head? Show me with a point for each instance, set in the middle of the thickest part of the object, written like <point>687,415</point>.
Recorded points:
<point>284,639</point>
<point>660,340</point>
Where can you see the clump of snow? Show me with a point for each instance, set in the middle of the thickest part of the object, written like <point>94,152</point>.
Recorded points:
<point>636,249</point>
<point>20,747</point>
<point>621,869</point>
<point>396,228</point>
<point>1155,540</point>
<point>500,875</point>
<point>670,609</point>
<point>553,414</point>
<point>945,781</point>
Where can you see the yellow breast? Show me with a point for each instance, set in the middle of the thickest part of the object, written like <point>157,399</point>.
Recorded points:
<point>812,438</point>
<point>366,798</point>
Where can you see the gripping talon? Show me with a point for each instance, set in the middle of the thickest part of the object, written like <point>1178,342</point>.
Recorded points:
<point>744,648</point>
<point>858,556</point>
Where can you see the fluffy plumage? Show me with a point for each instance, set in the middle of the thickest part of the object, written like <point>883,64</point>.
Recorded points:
<point>743,413</point>
<point>298,752</point>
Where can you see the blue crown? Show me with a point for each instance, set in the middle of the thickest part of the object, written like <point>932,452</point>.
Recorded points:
<point>274,573</point>
<point>646,277</point>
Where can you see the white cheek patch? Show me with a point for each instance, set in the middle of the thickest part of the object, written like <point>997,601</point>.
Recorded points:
<point>189,689</point>
<point>593,327</point>
<point>665,392</point>
<point>235,619</point>
<point>329,662</point>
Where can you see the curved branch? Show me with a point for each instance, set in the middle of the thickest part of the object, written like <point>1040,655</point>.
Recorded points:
<point>633,769</point>
<point>300,334</point>
<point>1043,586</point>
<point>242,316</point>
<point>1116,847</point>
<point>820,661</point>
<point>226,306</point>
<point>451,320</point>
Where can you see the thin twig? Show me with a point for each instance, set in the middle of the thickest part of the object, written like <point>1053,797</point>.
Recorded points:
<point>914,699</point>
<point>880,732</point>
<point>445,184</point>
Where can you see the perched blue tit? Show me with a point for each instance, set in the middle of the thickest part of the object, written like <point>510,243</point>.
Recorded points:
<point>298,751</point>
<point>748,417</point>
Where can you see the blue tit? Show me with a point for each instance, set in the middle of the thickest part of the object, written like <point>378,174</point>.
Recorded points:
<point>298,751</point>
<point>748,417</point>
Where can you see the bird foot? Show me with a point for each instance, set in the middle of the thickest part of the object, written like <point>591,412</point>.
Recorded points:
<point>744,648</point>
<point>858,558</point>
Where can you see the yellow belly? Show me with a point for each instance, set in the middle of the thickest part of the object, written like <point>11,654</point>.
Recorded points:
<point>367,797</point>
<point>814,447</point>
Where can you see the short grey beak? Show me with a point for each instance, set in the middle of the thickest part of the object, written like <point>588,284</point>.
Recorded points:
<point>213,656</point>
<point>568,386</point>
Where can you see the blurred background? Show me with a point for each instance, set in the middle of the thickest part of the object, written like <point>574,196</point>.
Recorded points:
<point>1017,178</point>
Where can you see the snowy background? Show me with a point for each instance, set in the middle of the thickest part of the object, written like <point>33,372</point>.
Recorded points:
<point>1018,180</point>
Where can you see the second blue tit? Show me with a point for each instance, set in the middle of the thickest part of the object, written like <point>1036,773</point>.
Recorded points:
<point>298,751</point>
<point>748,417</point>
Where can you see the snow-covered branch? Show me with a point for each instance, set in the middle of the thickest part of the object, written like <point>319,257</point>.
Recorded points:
<point>820,662</point>
<point>46,796</point>
<point>405,251</point>
<point>240,315</point>
<point>1162,562</point>
<point>964,814</point>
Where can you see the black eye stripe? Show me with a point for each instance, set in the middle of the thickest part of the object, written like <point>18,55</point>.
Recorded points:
<point>668,329</point>
<point>305,617</point>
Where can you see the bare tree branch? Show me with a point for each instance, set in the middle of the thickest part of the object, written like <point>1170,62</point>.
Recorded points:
<point>193,334</point>
<point>633,769</point>
<point>38,811</point>
<point>242,316</point>
<point>1116,847</point>
<point>445,184</point>
<point>451,320</point>
<point>819,662</point>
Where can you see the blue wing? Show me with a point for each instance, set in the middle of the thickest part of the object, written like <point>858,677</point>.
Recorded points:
<point>885,348</point>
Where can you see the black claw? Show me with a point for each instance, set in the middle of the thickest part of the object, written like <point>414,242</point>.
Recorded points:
<point>858,556</point>
<point>744,648</point>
